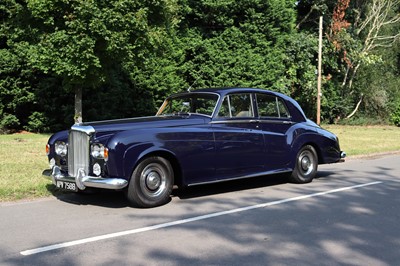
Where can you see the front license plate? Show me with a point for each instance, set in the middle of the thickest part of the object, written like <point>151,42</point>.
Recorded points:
<point>67,186</point>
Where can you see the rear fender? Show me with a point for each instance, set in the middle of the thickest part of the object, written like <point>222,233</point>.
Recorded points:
<point>310,138</point>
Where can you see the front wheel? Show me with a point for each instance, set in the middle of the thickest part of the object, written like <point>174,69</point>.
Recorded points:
<point>151,183</point>
<point>306,165</point>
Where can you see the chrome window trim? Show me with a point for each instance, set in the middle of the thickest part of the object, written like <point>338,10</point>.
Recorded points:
<point>253,120</point>
<point>228,97</point>
<point>277,100</point>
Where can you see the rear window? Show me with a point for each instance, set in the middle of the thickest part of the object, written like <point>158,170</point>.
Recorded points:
<point>271,106</point>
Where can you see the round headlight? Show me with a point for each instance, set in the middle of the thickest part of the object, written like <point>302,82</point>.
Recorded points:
<point>61,148</point>
<point>98,151</point>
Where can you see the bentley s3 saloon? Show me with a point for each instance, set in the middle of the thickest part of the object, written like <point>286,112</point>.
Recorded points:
<point>199,137</point>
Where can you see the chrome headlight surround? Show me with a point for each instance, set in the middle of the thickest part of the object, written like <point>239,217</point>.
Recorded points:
<point>61,148</point>
<point>99,151</point>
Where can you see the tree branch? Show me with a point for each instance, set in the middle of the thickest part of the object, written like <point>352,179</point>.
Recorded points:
<point>314,7</point>
<point>355,109</point>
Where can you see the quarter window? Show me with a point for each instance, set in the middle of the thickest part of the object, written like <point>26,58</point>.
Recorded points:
<point>236,105</point>
<point>271,106</point>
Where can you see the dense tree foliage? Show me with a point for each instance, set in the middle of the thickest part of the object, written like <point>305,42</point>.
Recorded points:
<point>122,57</point>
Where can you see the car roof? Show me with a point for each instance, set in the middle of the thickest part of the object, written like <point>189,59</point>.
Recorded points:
<point>226,90</point>
<point>297,111</point>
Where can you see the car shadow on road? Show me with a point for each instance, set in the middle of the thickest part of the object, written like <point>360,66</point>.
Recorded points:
<point>97,197</point>
<point>324,174</point>
<point>116,199</point>
<point>230,186</point>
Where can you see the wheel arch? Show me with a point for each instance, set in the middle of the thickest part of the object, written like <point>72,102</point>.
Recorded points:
<point>300,144</point>
<point>316,148</point>
<point>176,167</point>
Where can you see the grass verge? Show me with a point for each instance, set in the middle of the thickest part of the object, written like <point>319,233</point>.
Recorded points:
<point>22,160</point>
<point>366,140</point>
<point>22,157</point>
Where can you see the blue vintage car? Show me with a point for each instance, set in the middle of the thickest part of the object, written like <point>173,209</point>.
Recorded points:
<point>199,137</point>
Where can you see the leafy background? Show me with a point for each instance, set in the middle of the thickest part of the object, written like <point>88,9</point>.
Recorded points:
<point>126,56</point>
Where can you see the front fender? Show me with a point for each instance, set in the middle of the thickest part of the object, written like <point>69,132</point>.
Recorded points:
<point>136,153</point>
<point>127,148</point>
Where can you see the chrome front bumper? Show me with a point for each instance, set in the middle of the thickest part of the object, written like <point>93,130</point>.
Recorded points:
<point>82,180</point>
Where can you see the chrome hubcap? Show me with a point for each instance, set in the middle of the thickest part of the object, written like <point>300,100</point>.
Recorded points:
<point>153,180</point>
<point>305,163</point>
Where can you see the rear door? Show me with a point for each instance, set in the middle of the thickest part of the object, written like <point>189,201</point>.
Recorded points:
<point>275,122</point>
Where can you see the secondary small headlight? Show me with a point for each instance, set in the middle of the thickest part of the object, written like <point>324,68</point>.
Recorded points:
<point>61,148</point>
<point>98,151</point>
<point>96,169</point>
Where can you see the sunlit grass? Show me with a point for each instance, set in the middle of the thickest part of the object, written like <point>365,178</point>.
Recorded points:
<point>364,140</point>
<point>22,156</point>
<point>22,160</point>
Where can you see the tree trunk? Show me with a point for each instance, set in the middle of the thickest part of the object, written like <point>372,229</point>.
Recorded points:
<point>345,76</point>
<point>355,109</point>
<point>353,75</point>
<point>78,105</point>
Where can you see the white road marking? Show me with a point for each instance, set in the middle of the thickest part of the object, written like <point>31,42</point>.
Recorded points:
<point>184,221</point>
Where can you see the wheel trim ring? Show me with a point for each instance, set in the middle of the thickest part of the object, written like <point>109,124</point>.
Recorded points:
<point>306,162</point>
<point>153,180</point>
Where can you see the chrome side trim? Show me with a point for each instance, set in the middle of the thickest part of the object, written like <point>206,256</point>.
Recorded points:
<point>279,171</point>
<point>82,180</point>
<point>233,121</point>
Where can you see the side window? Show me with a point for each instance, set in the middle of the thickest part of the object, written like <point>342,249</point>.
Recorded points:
<point>283,112</point>
<point>236,105</point>
<point>271,106</point>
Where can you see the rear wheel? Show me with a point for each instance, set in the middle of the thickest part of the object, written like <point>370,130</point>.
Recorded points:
<point>306,165</point>
<point>151,183</point>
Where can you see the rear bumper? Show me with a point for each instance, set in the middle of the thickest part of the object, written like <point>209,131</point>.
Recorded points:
<point>82,180</point>
<point>342,156</point>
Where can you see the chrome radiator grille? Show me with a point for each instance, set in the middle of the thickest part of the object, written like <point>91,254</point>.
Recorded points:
<point>78,152</point>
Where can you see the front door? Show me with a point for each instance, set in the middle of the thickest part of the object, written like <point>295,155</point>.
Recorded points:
<point>239,142</point>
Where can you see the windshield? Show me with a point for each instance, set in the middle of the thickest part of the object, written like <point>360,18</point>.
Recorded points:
<point>191,103</point>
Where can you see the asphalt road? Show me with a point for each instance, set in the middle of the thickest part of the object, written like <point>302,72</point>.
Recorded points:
<point>349,215</point>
